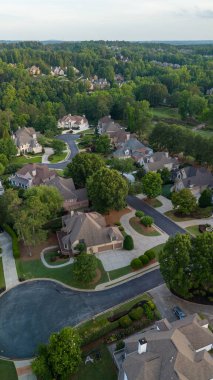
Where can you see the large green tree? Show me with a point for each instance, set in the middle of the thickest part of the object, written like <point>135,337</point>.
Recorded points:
<point>152,184</point>
<point>184,201</point>
<point>123,166</point>
<point>83,166</point>
<point>175,263</point>
<point>84,267</point>
<point>107,190</point>
<point>205,199</point>
<point>61,357</point>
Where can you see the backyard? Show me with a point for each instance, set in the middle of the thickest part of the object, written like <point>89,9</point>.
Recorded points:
<point>102,368</point>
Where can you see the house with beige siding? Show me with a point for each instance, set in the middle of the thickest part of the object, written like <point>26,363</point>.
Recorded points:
<point>26,141</point>
<point>90,229</point>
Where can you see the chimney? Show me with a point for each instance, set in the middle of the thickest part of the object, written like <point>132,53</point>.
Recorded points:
<point>142,345</point>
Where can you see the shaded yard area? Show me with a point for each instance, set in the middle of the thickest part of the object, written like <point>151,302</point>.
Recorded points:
<point>102,368</point>
<point>141,229</point>
<point>199,213</point>
<point>115,216</point>
<point>35,269</point>
<point>166,112</point>
<point>53,258</point>
<point>36,250</point>
<point>2,281</point>
<point>7,370</point>
<point>153,202</point>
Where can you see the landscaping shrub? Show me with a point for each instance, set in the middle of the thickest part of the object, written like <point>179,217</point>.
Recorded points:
<point>139,214</point>
<point>136,264</point>
<point>117,223</point>
<point>119,345</point>
<point>15,243</point>
<point>144,259</point>
<point>147,221</point>
<point>128,243</point>
<point>125,321</point>
<point>136,314</point>
<point>150,254</point>
<point>148,312</point>
<point>121,228</point>
<point>151,305</point>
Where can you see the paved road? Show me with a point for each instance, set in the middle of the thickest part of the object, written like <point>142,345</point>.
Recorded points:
<point>70,140</point>
<point>31,311</point>
<point>161,221</point>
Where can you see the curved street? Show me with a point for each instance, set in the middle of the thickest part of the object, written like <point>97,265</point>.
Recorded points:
<point>69,139</point>
<point>161,221</point>
<point>31,311</point>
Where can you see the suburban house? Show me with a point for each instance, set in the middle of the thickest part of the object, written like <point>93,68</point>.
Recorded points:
<point>159,161</point>
<point>90,229</point>
<point>73,122</point>
<point>195,179</point>
<point>172,351</point>
<point>26,141</point>
<point>57,71</point>
<point>115,131</point>
<point>34,70</point>
<point>1,188</point>
<point>36,175</point>
<point>133,148</point>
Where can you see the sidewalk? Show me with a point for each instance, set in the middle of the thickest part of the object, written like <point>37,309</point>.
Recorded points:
<point>24,371</point>
<point>8,261</point>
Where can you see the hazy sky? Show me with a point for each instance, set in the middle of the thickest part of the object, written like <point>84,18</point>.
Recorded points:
<point>106,19</point>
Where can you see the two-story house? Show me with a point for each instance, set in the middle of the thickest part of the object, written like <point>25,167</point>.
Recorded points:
<point>26,141</point>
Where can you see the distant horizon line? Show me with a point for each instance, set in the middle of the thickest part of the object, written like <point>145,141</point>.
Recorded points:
<point>107,40</point>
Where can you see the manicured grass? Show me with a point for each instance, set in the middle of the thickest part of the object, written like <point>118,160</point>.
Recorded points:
<point>54,158</point>
<point>49,255</point>
<point>7,370</point>
<point>2,281</point>
<point>113,274</point>
<point>141,229</point>
<point>153,202</point>
<point>171,214</point>
<point>194,230</point>
<point>165,113</point>
<point>35,269</point>
<point>24,160</point>
<point>104,368</point>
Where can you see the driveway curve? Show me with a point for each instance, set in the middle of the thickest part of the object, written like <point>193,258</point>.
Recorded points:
<point>71,142</point>
<point>31,311</point>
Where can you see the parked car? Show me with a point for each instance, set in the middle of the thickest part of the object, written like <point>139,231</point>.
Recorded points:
<point>178,312</point>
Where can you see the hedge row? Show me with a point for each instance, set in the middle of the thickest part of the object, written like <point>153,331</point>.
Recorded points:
<point>137,313</point>
<point>142,260</point>
<point>15,243</point>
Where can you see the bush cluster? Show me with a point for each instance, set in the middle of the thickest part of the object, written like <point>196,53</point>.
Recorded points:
<point>139,214</point>
<point>142,260</point>
<point>15,243</point>
<point>147,221</point>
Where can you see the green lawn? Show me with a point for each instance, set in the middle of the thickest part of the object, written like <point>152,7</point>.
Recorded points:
<point>154,202</point>
<point>24,160</point>
<point>157,250</point>
<point>104,368</point>
<point>176,218</point>
<point>49,255</point>
<point>194,230</point>
<point>35,269</point>
<point>113,274</point>
<point>141,229</point>
<point>2,282</point>
<point>7,370</point>
<point>165,113</point>
<point>54,158</point>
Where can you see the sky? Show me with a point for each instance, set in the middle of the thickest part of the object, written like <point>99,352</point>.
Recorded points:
<point>132,20</point>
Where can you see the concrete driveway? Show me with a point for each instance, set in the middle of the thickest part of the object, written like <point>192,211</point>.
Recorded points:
<point>31,311</point>
<point>115,259</point>
<point>165,301</point>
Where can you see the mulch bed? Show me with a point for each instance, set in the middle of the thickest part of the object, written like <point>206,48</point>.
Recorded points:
<point>36,251</point>
<point>114,216</point>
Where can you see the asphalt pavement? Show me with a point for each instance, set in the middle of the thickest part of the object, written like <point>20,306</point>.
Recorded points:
<point>31,311</point>
<point>70,139</point>
<point>160,220</point>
